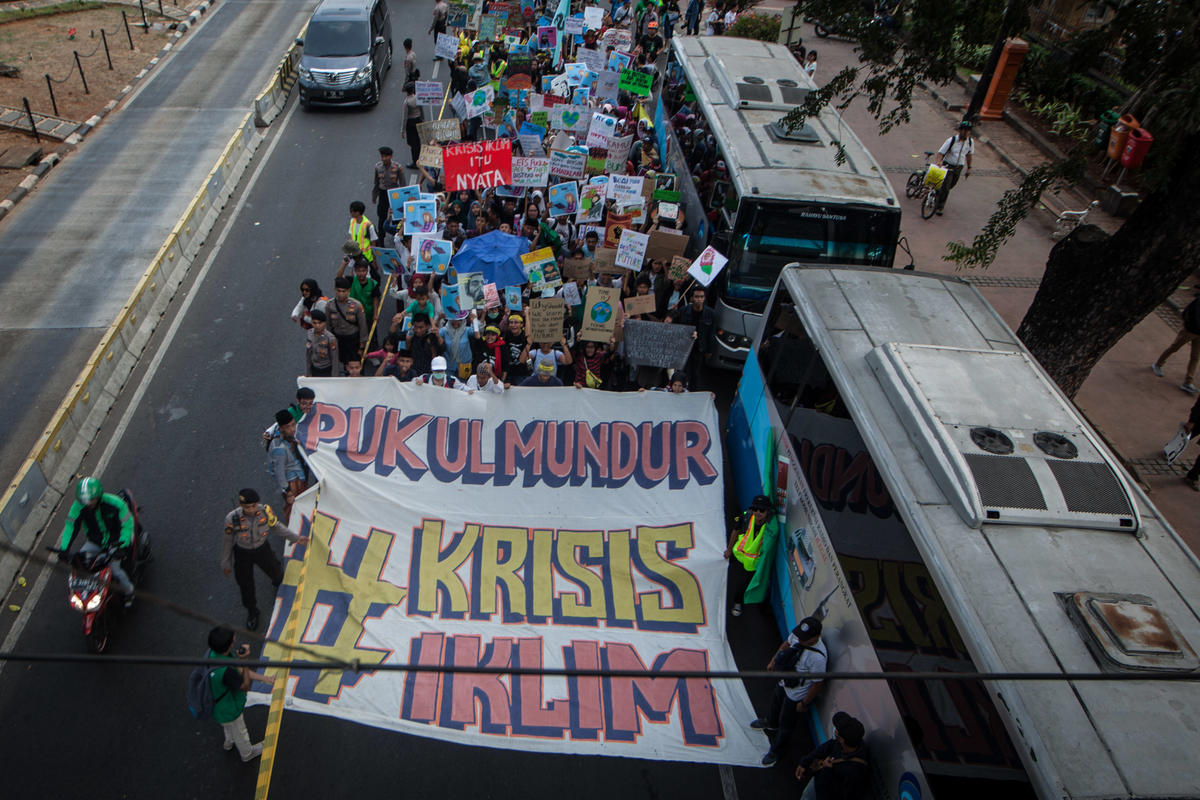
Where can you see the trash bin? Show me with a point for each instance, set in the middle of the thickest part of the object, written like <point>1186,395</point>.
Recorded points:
<point>1135,148</point>
<point>1119,135</point>
<point>1104,128</point>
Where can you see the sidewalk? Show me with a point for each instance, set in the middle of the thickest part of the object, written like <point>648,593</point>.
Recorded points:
<point>1135,411</point>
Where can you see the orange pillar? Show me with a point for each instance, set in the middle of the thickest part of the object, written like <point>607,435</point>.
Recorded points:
<point>1003,78</point>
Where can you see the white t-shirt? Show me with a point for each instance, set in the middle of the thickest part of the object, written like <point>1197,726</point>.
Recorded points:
<point>712,17</point>
<point>811,662</point>
<point>472,385</point>
<point>955,151</point>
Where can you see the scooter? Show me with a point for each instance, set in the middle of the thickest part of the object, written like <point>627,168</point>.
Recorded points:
<point>90,588</point>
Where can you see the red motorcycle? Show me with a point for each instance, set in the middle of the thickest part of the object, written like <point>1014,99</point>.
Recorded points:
<point>91,589</point>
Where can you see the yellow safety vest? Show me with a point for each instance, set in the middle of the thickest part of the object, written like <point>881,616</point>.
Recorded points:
<point>358,233</point>
<point>748,545</point>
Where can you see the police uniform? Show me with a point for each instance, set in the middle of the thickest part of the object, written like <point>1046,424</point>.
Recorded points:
<point>244,544</point>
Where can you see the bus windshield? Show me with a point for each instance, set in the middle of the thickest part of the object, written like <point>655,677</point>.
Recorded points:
<point>769,236</point>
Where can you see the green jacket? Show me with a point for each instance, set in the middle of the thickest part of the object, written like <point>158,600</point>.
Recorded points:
<point>114,518</point>
<point>760,584</point>
<point>228,704</point>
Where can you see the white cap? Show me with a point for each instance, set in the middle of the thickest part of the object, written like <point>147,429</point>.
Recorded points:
<point>438,364</point>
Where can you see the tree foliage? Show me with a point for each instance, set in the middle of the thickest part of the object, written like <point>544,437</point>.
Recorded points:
<point>1158,42</point>
<point>764,27</point>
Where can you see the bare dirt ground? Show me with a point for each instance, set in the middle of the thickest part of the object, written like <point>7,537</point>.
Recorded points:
<point>44,45</point>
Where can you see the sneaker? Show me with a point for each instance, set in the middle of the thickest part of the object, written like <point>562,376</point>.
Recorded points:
<point>254,753</point>
<point>939,212</point>
<point>1156,369</point>
<point>737,610</point>
<point>770,759</point>
<point>128,601</point>
<point>227,745</point>
<point>252,620</point>
<point>1189,387</point>
<point>1194,484</point>
<point>762,725</point>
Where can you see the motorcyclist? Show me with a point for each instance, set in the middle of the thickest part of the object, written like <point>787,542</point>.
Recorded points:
<point>103,518</point>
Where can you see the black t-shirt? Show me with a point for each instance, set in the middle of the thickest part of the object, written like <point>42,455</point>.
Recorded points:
<point>847,779</point>
<point>515,371</point>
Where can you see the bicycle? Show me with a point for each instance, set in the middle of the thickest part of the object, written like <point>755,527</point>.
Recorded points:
<point>923,184</point>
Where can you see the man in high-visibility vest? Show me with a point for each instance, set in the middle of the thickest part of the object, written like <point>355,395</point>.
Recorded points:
<point>362,233</point>
<point>752,547</point>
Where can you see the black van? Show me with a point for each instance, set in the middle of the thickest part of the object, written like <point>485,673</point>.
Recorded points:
<point>347,51</point>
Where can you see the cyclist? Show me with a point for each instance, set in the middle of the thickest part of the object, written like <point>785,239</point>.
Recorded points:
<point>102,518</point>
<point>954,154</point>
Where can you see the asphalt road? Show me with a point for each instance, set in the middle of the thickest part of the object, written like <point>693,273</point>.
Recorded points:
<point>186,446</point>
<point>72,252</point>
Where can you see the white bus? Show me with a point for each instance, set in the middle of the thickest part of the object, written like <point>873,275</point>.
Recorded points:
<point>784,197</point>
<point>945,508</point>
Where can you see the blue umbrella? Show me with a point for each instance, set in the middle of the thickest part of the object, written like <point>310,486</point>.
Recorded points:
<point>497,255</point>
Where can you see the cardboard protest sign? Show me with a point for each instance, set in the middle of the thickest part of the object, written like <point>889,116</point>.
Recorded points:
<point>446,46</point>
<point>388,259</point>
<point>607,86</point>
<point>597,160</point>
<point>568,165</point>
<point>470,290</point>
<point>574,24</point>
<point>593,18</point>
<point>439,130</point>
<point>605,260</point>
<point>487,28</point>
<point>547,37</point>
<point>479,101</point>
<point>600,130</point>
<point>707,266</point>
<point>399,196</point>
<point>564,199</point>
<point>667,195</point>
<point>545,323</point>
<point>618,154</point>
<point>491,296</point>
<point>531,147</point>
<point>570,294</point>
<point>677,269</point>
<point>431,156</point>
<point>618,61</point>
<point>620,39</point>
<point>510,191</point>
<point>570,118</point>
<point>478,165</point>
<point>591,204</point>
<point>631,249</point>
<point>635,82</point>
<point>456,16</point>
<point>599,313</point>
<point>535,264</point>
<point>575,269</point>
<point>657,344</point>
<point>626,189</point>
<point>512,298</point>
<point>668,210</point>
<point>420,216</point>
<point>640,304</point>
<point>520,64</point>
<point>432,255</point>
<point>429,93</point>
<point>593,60</point>
<point>530,171</point>
<point>450,298</point>
<point>665,245</point>
<point>617,223</point>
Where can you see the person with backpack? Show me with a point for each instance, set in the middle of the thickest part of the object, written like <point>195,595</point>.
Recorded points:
<point>837,769</point>
<point>226,689</point>
<point>803,658</point>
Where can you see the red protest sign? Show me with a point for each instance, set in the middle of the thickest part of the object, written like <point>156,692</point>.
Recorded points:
<point>478,165</point>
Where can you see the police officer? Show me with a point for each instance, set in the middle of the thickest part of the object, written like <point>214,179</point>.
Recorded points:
<point>245,544</point>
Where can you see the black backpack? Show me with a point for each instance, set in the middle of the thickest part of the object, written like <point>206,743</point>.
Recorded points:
<point>785,661</point>
<point>199,692</point>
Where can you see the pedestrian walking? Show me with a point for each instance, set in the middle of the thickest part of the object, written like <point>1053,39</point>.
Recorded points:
<point>802,653</point>
<point>319,348</point>
<point>285,462</point>
<point>410,61</point>
<point>245,545</point>
<point>413,116</point>
<point>347,321</point>
<point>955,154</point>
<point>1192,478</point>
<point>1189,334</point>
<point>229,686</point>
<point>388,175</point>
<point>692,17</point>
<point>362,232</point>
<point>438,25</point>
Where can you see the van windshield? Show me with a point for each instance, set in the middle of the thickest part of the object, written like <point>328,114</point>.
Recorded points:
<point>335,37</point>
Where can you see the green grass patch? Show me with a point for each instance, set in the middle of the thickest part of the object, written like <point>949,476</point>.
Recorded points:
<point>14,14</point>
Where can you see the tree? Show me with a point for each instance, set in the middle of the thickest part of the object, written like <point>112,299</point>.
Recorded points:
<point>1096,288</point>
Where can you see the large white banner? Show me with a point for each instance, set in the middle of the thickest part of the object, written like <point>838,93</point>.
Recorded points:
<point>545,527</point>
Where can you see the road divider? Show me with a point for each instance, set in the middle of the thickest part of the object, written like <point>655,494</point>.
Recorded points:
<point>50,469</point>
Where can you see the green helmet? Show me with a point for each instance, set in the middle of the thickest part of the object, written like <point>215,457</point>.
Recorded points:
<point>88,489</point>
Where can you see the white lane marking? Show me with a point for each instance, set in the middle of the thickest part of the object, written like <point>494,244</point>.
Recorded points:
<point>10,641</point>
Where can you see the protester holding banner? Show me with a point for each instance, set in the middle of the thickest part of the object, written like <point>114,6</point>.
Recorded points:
<point>704,320</point>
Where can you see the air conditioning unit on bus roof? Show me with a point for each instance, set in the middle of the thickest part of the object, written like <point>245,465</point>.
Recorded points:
<point>744,84</point>
<point>1002,444</point>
